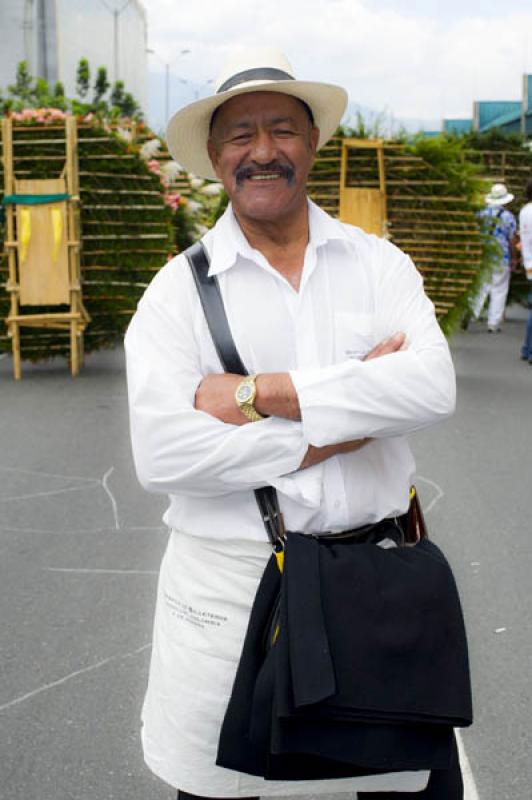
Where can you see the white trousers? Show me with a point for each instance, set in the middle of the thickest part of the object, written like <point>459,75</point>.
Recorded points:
<point>497,289</point>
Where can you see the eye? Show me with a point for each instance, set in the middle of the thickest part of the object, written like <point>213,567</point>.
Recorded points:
<point>284,132</point>
<point>241,138</point>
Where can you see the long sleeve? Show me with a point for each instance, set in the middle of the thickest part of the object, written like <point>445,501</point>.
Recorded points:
<point>177,449</point>
<point>391,395</point>
<point>525,231</point>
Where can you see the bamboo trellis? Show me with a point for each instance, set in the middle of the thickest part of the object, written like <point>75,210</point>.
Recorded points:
<point>127,235</point>
<point>438,229</point>
<point>44,263</point>
<point>126,229</point>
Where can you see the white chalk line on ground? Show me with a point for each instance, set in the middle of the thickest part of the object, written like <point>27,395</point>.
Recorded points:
<point>49,493</point>
<point>439,492</point>
<point>79,531</point>
<point>17,700</point>
<point>470,787</point>
<point>42,473</point>
<point>87,571</point>
<point>111,496</point>
<point>89,483</point>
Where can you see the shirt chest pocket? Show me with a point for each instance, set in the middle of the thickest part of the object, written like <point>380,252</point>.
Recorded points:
<point>354,335</point>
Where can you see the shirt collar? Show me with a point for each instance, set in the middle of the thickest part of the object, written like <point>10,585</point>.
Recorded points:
<point>226,242</point>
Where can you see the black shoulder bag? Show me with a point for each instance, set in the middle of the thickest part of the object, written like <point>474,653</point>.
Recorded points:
<point>355,658</point>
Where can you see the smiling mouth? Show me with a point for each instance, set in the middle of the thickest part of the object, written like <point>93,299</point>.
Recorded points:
<point>265,176</point>
<point>268,173</point>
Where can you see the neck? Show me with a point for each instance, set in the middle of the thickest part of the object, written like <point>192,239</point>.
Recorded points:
<point>282,244</point>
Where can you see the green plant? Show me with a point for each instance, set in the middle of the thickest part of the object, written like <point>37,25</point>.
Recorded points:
<point>101,85</point>
<point>117,94</point>
<point>83,77</point>
<point>29,92</point>
<point>22,90</point>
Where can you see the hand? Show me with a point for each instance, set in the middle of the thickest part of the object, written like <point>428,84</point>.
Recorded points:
<point>216,396</point>
<point>315,455</point>
<point>391,345</point>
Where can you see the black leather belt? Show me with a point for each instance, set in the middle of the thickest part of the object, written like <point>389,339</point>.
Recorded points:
<point>372,533</point>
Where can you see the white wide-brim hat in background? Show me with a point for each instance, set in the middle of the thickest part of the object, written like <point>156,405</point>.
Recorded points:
<point>256,70</point>
<point>499,195</point>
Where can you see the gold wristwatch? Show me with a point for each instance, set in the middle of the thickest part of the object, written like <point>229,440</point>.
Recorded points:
<point>245,394</point>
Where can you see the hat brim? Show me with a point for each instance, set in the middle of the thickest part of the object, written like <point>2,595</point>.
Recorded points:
<point>499,201</point>
<point>188,130</point>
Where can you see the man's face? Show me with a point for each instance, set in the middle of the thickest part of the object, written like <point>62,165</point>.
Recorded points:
<point>262,147</point>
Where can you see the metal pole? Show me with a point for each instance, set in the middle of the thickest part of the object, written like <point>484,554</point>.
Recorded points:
<point>28,34</point>
<point>167,93</point>
<point>42,60</point>
<point>115,42</point>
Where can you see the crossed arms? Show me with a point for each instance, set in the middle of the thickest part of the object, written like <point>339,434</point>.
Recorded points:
<point>190,438</point>
<point>277,397</point>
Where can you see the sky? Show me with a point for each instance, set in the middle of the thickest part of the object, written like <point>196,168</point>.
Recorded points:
<point>413,60</point>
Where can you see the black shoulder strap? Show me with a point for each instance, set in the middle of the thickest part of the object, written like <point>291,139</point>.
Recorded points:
<point>218,324</point>
<point>213,308</point>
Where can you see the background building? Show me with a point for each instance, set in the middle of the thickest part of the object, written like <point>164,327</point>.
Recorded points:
<point>52,35</point>
<point>509,116</point>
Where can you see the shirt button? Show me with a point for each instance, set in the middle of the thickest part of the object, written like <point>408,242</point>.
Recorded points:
<point>337,504</point>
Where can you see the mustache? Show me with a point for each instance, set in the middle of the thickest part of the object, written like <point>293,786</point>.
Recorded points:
<point>274,166</point>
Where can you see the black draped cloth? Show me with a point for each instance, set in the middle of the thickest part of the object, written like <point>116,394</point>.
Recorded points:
<point>354,663</point>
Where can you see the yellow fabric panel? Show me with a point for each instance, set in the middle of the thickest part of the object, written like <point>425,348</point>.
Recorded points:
<point>363,208</point>
<point>25,233</point>
<point>57,227</point>
<point>43,256</point>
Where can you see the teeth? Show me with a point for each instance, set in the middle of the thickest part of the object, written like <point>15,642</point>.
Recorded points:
<point>271,177</point>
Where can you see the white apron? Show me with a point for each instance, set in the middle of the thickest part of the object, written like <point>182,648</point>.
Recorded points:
<point>206,590</point>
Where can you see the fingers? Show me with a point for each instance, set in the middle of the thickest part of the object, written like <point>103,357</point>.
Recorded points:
<point>391,345</point>
<point>352,446</point>
<point>315,455</point>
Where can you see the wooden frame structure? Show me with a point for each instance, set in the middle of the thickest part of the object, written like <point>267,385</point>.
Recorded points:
<point>43,251</point>
<point>425,216</point>
<point>363,206</point>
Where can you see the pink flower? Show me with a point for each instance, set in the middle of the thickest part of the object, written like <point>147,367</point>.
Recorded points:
<point>172,199</point>
<point>154,166</point>
<point>88,117</point>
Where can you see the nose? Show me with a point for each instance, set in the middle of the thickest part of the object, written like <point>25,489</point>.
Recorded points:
<point>264,148</point>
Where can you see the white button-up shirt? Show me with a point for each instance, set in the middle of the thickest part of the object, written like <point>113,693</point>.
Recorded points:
<point>356,289</point>
<point>525,233</point>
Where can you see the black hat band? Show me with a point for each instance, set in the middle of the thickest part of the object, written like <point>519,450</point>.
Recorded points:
<point>258,74</point>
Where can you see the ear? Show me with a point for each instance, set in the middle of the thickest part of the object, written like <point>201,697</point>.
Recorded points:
<point>213,155</point>
<point>314,139</point>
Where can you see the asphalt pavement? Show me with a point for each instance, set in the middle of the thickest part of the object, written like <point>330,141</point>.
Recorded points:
<point>80,545</point>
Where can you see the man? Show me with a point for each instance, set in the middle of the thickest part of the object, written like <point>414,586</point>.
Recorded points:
<point>501,224</point>
<point>525,234</point>
<point>348,357</point>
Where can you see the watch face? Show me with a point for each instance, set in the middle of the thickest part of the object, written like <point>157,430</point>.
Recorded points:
<point>244,393</point>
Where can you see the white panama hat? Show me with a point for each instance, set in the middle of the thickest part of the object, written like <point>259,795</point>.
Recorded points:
<point>499,195</point>
<point>252,70</point>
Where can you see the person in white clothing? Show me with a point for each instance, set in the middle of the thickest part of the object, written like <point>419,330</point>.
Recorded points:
<point>501,224</point>
<point>347,359</point>
<point>525,235</point>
